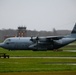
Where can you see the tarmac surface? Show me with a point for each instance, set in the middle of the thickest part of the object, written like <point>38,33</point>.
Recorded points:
<point>69,50</point>
<point>48,57</point>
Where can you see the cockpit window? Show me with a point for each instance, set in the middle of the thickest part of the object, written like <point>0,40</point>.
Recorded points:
<point>7,40</point>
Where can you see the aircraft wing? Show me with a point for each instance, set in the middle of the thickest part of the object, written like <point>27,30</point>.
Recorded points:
<point>54,37</point>
<point>46,39</point>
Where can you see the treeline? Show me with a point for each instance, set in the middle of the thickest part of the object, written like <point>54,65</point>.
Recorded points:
<point>29,33</point>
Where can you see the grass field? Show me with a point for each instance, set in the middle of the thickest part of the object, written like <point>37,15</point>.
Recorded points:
<point>42,73</point>
<point>38,66</point>
<point>31,53</point>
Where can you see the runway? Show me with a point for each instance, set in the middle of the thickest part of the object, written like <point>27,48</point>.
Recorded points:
<point>69,50</point>
<point>48,57</point>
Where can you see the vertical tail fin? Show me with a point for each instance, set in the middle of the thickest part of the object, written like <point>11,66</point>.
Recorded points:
<point>74,30</point>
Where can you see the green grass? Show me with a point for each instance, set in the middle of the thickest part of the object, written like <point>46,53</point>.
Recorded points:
<point>31,53</point>
<point>41,73</point>
<point>35,64</point>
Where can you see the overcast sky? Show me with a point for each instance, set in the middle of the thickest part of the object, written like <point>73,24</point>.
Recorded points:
<point>38,14</point>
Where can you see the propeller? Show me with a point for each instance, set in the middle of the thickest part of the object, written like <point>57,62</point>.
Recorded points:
<point>32,38</point>
<point>35,40</point>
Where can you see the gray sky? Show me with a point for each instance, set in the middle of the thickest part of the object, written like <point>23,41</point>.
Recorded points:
<point>38,14</point>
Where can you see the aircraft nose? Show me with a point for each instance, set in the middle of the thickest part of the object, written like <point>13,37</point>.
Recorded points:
<point>1,44</point>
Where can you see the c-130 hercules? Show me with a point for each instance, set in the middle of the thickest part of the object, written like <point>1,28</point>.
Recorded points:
<point>39,43</point>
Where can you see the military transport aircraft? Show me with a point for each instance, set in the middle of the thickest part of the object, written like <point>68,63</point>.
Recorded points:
<point>39,43</point>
